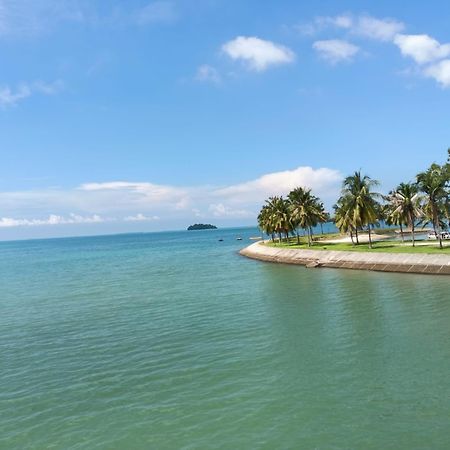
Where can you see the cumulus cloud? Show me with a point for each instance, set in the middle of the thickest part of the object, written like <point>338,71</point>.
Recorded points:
<point>440,72</point>
<point>206,73</point>
<point>421,47</point>
<point>430,56</point>
<point>258,54</point>
<point>336,50</point>
<point>10,96</point>
<point>379,29</point>
<point>323,181</point>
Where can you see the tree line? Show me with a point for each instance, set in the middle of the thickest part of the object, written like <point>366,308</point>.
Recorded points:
<point>360,208</point>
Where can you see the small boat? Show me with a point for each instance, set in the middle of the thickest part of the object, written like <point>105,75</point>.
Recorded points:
<point>220,240</point>
<point>239,239</point>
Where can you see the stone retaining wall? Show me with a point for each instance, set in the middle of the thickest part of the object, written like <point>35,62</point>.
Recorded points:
<point>385,262</point>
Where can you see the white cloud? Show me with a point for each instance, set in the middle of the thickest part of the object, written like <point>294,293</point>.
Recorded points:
<point>344,21</point>
<point>364,25</point>
<point>258,54</point>
<point>157,12</point>
<point>378,29</point>
<point>11,97</point>
<point>220,210</point>
<point>336,50</point>
<point>140,218</point>
<point>324,182</point>
<point>208,73</point>
<point>139,202</point>
<point>53,219</point>
<point>421,47</point>
<point>440,72</point>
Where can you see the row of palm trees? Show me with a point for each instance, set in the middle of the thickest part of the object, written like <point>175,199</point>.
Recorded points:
<point>282,216</point>
<point>425,201</point>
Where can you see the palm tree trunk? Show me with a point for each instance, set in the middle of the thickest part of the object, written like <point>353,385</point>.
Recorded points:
<point>279,237</point>
<point>401,232</point>
<point>437,228</point>
<point>370,238</point>
<point>321,228</point>
<point>412,234</point>
<point>356,235</point>
<point>351,237</point>
<point>309,237</point>
<point>298,237</point>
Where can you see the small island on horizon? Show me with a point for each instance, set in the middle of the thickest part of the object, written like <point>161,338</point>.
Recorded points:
<point>202,226</point>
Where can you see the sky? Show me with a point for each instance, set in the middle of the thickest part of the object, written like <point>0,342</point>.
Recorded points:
<point>137,115</point>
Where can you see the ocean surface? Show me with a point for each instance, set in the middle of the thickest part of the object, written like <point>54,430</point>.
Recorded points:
<point>174,341</point>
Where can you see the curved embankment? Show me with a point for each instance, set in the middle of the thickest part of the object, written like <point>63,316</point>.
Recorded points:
<point>385,262</point>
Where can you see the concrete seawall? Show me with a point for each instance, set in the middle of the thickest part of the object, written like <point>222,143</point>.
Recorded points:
<point>385,262</point>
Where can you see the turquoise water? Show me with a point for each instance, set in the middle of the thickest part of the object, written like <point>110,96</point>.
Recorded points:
<point>174,341</point>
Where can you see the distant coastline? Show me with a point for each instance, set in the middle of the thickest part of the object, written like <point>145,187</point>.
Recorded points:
<point>201,226</point>
<point>437,264</point>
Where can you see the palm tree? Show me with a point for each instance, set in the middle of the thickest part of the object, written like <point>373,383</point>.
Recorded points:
<point>306,210</point>
<point>325,217</point>
<point>265,222</point>
<point>391,216</point>
<point>279,216</point>
<point>405,207</point>
<point>361,200</point>
<point>434,184</point>
<point>343,217</point>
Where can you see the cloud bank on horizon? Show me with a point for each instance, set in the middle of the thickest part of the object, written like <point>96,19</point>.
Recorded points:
<point>123,201</point>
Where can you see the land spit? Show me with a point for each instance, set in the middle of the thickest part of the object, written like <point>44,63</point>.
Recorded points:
<point>384,262</point>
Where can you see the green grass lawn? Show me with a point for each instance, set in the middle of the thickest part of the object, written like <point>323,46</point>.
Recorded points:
<point>381,246</point>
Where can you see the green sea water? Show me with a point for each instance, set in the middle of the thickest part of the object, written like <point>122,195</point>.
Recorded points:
<point>174,341</point>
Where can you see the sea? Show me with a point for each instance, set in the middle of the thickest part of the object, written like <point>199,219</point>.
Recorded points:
<point>173,340</point>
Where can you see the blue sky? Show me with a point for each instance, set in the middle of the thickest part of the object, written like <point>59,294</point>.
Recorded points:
<point>149,115</point>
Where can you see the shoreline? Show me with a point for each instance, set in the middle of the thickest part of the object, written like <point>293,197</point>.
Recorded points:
<point>381,262</point>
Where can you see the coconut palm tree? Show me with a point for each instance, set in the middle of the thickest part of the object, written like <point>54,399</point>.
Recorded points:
<point>343,217</point>
<point>405,206</point>
<point>391,216</point>
<point>361,200</point>
<point>265,222</point>
<point>280,216</point>
<point>306,210</point>
<point>434,184</point>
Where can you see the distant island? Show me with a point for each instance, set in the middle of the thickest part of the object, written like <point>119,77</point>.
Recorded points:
<point>202,226</point>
